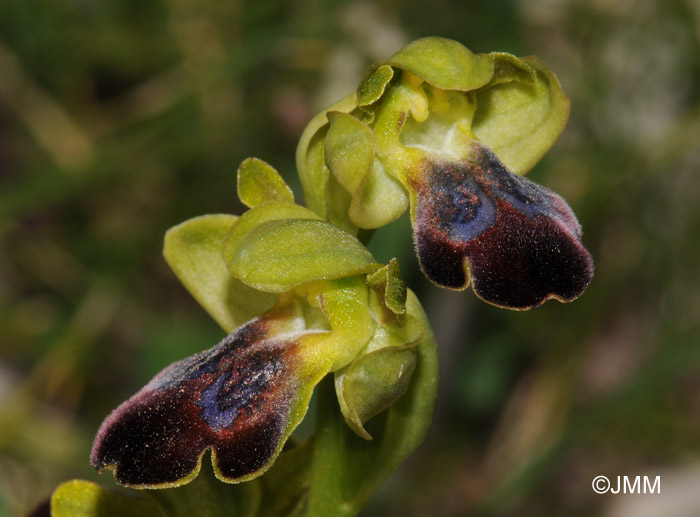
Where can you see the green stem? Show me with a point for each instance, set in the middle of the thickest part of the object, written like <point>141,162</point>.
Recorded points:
<point>327,475</point>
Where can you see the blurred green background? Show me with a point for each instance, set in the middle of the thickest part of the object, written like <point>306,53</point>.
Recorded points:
<point>121,118</point>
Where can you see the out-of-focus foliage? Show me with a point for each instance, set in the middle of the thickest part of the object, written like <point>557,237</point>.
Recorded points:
<point>119,119</point>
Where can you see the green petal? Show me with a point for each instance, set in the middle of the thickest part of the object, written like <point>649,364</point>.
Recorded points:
<point>279,255</point>
<point>444,63</point>
<point>193,251</point>
<point>373,383</point>
<point>259,183</point>
<point>522,112</point>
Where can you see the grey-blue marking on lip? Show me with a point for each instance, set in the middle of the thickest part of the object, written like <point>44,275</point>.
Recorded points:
<point>221,403</point>
<point>215,417</point>
<point>471,219</point>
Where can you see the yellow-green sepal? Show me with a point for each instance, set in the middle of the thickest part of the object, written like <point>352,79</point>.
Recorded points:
<point>373,382</point>
<point>322,193</point>
<point>521,112</point>
<point>259,183</point>
<point>444,63</point>
<point>277,247</point>
<point>376,198</point>
<point>380,375</point>
<point>193,251</point>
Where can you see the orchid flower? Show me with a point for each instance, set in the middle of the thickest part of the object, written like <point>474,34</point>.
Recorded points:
<point>449,134</point>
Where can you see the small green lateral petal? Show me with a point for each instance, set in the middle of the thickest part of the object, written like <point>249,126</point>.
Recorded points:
<point>372,383</point>
<point>444,63</point>
<point>280,255</point>
<point>521,113</point>
<point>259,183</point>
<point>388,283</point>
<point>373,85</point>
<point>193,251</point>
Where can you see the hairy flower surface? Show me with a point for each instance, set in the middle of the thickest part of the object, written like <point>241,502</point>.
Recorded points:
<point>437,130</point>
<point>334,310</point>
<point>449,133</point>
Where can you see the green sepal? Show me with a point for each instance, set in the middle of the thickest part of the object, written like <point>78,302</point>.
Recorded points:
<point>444,63</point>
<point>372,383</point>
<point>259,183</point>
<point>521,112</point>
<point>272,250</point>
<point>193,251</point>
<point>396,433</point>
<point>261,215</point>
<point>349,149</point>
<point>338,202</point>
<point>377,199</point>
<point>313,173</point>
<point>376,379</point>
